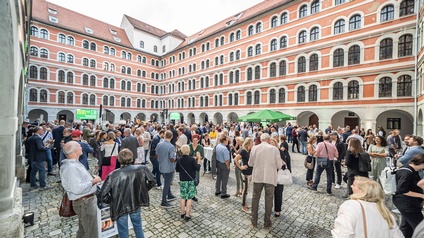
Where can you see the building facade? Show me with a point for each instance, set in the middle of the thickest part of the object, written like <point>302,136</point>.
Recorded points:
<point>327,62</point>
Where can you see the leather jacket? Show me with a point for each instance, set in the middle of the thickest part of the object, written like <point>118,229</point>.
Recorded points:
<point>126,189</point>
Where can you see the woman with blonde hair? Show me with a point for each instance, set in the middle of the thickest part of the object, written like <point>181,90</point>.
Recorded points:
<point>310,158</point>
<point>140,149</point>
<point>365,215</point>
<point>241,160</point>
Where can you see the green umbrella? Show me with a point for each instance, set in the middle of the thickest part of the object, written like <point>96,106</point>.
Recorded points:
<point>266,116</point>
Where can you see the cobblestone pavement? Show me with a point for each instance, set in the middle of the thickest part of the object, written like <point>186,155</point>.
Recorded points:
<point>305,213</point>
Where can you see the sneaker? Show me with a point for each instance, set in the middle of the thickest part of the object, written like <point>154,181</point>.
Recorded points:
<point>208,172</point>
<point>329,194</point>
<point>337,186</point>
<point>171,198</point>
<point>311,188</point>
<point>166,205</point>
<point>396,211</point>
<point>159,187</point>
<point>46,188</point>
<point>35,187</point>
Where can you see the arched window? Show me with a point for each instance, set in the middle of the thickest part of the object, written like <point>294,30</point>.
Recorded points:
<point>354,55</point>
<point>123,85</point>
<point>339,26</point>
<point>85,80</point>
<point>61,38</point>
<point>284,18</point>
<point>404,86</point>
<point>338,91</point>
<point>315,7</point>
<point>222,40</point>
<point>386,49</point>
<point>33,95</point>
<point>112,83</point>
<point>406,8</point>
<point>231,56</point>
<point>122,102</point>
<point>105,49</point>
<point>237,76</point>
<point>301,94</point>
<point>138,72</point>
<point>129,56</point>
<point>142,44</point>
<point>303,11</point>
<point>105,82</point>
<point>258,49</point>
<point>385,87</point>
<point>129,70</point>
<point>274,45</point>
<point>70,77</point>
<point>44,34</point>
<point>231,37</point>
<point>123,54</point>
<point>138,103</point>
<point>61,57</point>
<point>143,88</point>
<point>85,44</point>
<point>405,45</point>
<point>273,70</point>
<point>355,22</point>
<point>238,54</point>
<point>105,100</point>
<point>258,72</point>
<point>84,99</point>
<point>61,76</point>
<point>143,103</point>
<point>92,100</point>
<point>236,99</point>
<point>302,37</point>
<point>43,73</point>
<point>70,98</point>
<point>257,98</point>
<point>111,101</point>
<point>238,35</point>
<point>258,27</point>
<point>128,102</point>
<point>283,42</point>
<point>301,64</point>
<point>93,80</point>
<point>93,46</point>
<point>221,59</point>
<point>250,31</point>
<point>353,90</point>
<point>112,52</point>
<point>283,68</point>
<point>338,58</point>
<point>34,31</point>
<point>33,51</point>
<point>274,21</point>
<point>281,95</point>
<point>123,69</point>
<point>112,67</point>
<point>313,93</point>
<point>231,77</point>
<point>44,53</point>
<point>313,62</point>
<point>92,63</point>
<point>249,98</point>
<point>387,13</point>
<point>314,35</point>
<point>33,72</point>
<point>272,96</point>
<point>250,51</point>
<point>43,95</point>
<point>138,87</point>
<point>71,40</point>
<point>61,97</point>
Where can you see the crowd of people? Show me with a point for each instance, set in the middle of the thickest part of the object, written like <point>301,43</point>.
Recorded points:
<point>253,151</point>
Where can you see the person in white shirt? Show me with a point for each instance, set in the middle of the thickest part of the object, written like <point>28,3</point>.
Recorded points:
<point>356,136</point>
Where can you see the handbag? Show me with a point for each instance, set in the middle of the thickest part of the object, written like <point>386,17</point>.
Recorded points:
<point>195,179</point>
<point>66,209</point>
<point>309,162</point>
<point>323,161</point>
<point>106,159</point>
<point>284,177</point>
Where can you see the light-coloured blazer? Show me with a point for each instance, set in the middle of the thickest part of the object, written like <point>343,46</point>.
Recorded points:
<point>265,160</point>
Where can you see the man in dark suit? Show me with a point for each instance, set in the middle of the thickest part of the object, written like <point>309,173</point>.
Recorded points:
<point>37,157</point>
<point>57,137</point>
<point>130,142</point>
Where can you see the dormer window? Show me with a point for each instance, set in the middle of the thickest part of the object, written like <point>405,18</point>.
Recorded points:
<point>88,30</point>
<point>117,39</point>
<point>53,19</point>
<point>112,31</point>
<point>238,15</point>
<point>52,11</point>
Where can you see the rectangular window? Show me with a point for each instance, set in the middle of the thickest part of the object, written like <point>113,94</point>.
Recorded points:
<point>393,123</point>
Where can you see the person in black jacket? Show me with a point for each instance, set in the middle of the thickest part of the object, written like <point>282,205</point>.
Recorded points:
<point>156,139</point>
<point>126,190</point>
<point>341,148</point>
<point>352,162</point>
<point>409,196</point>
<point>187,167</point>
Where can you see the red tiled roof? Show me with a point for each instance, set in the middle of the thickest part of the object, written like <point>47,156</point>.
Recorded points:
<point>255,10</point>
<point>145,27</point>
<point>75,21</point>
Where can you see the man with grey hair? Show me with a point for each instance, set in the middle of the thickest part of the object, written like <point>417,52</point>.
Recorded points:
<point>265,160</point>
<point>130,142</point>
<point>356,136</point>
<point>81,189</point>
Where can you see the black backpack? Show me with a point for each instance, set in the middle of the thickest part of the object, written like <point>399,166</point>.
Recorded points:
<point>364,162</point>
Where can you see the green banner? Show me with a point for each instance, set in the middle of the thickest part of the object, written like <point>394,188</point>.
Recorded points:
<point>86,114</point>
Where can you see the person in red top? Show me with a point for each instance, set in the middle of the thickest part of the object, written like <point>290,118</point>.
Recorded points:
<point>329,151</point>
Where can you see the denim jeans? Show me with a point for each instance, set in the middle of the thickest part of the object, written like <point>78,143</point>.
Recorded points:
<point>304,149</point>
<point>166,191</point>
<point>156,171</point>
<point>49,161</point>
<point>136,220</point>
<point>328,170</point>
<point>289,138</point>
<point>39,167</point>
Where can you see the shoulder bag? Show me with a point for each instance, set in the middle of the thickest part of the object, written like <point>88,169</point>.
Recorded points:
<point>106,159</point>
<point>323,161</point>
<point>195,179</point>
<point>66,209</point>
<point>309,162</point>
<point>364,220</point>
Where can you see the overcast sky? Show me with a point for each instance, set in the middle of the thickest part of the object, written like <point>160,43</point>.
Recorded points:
<point>188,16</point>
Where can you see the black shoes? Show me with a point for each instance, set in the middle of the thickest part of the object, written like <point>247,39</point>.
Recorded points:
<point>225,196</point>
<point>195,199</point>
<point>218,193</point>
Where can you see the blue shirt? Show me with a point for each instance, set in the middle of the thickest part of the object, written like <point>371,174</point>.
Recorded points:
<point>222,153</point>
<point>165,151</point>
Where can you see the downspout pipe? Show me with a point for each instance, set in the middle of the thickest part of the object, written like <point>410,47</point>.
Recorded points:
<point>417,4</point>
